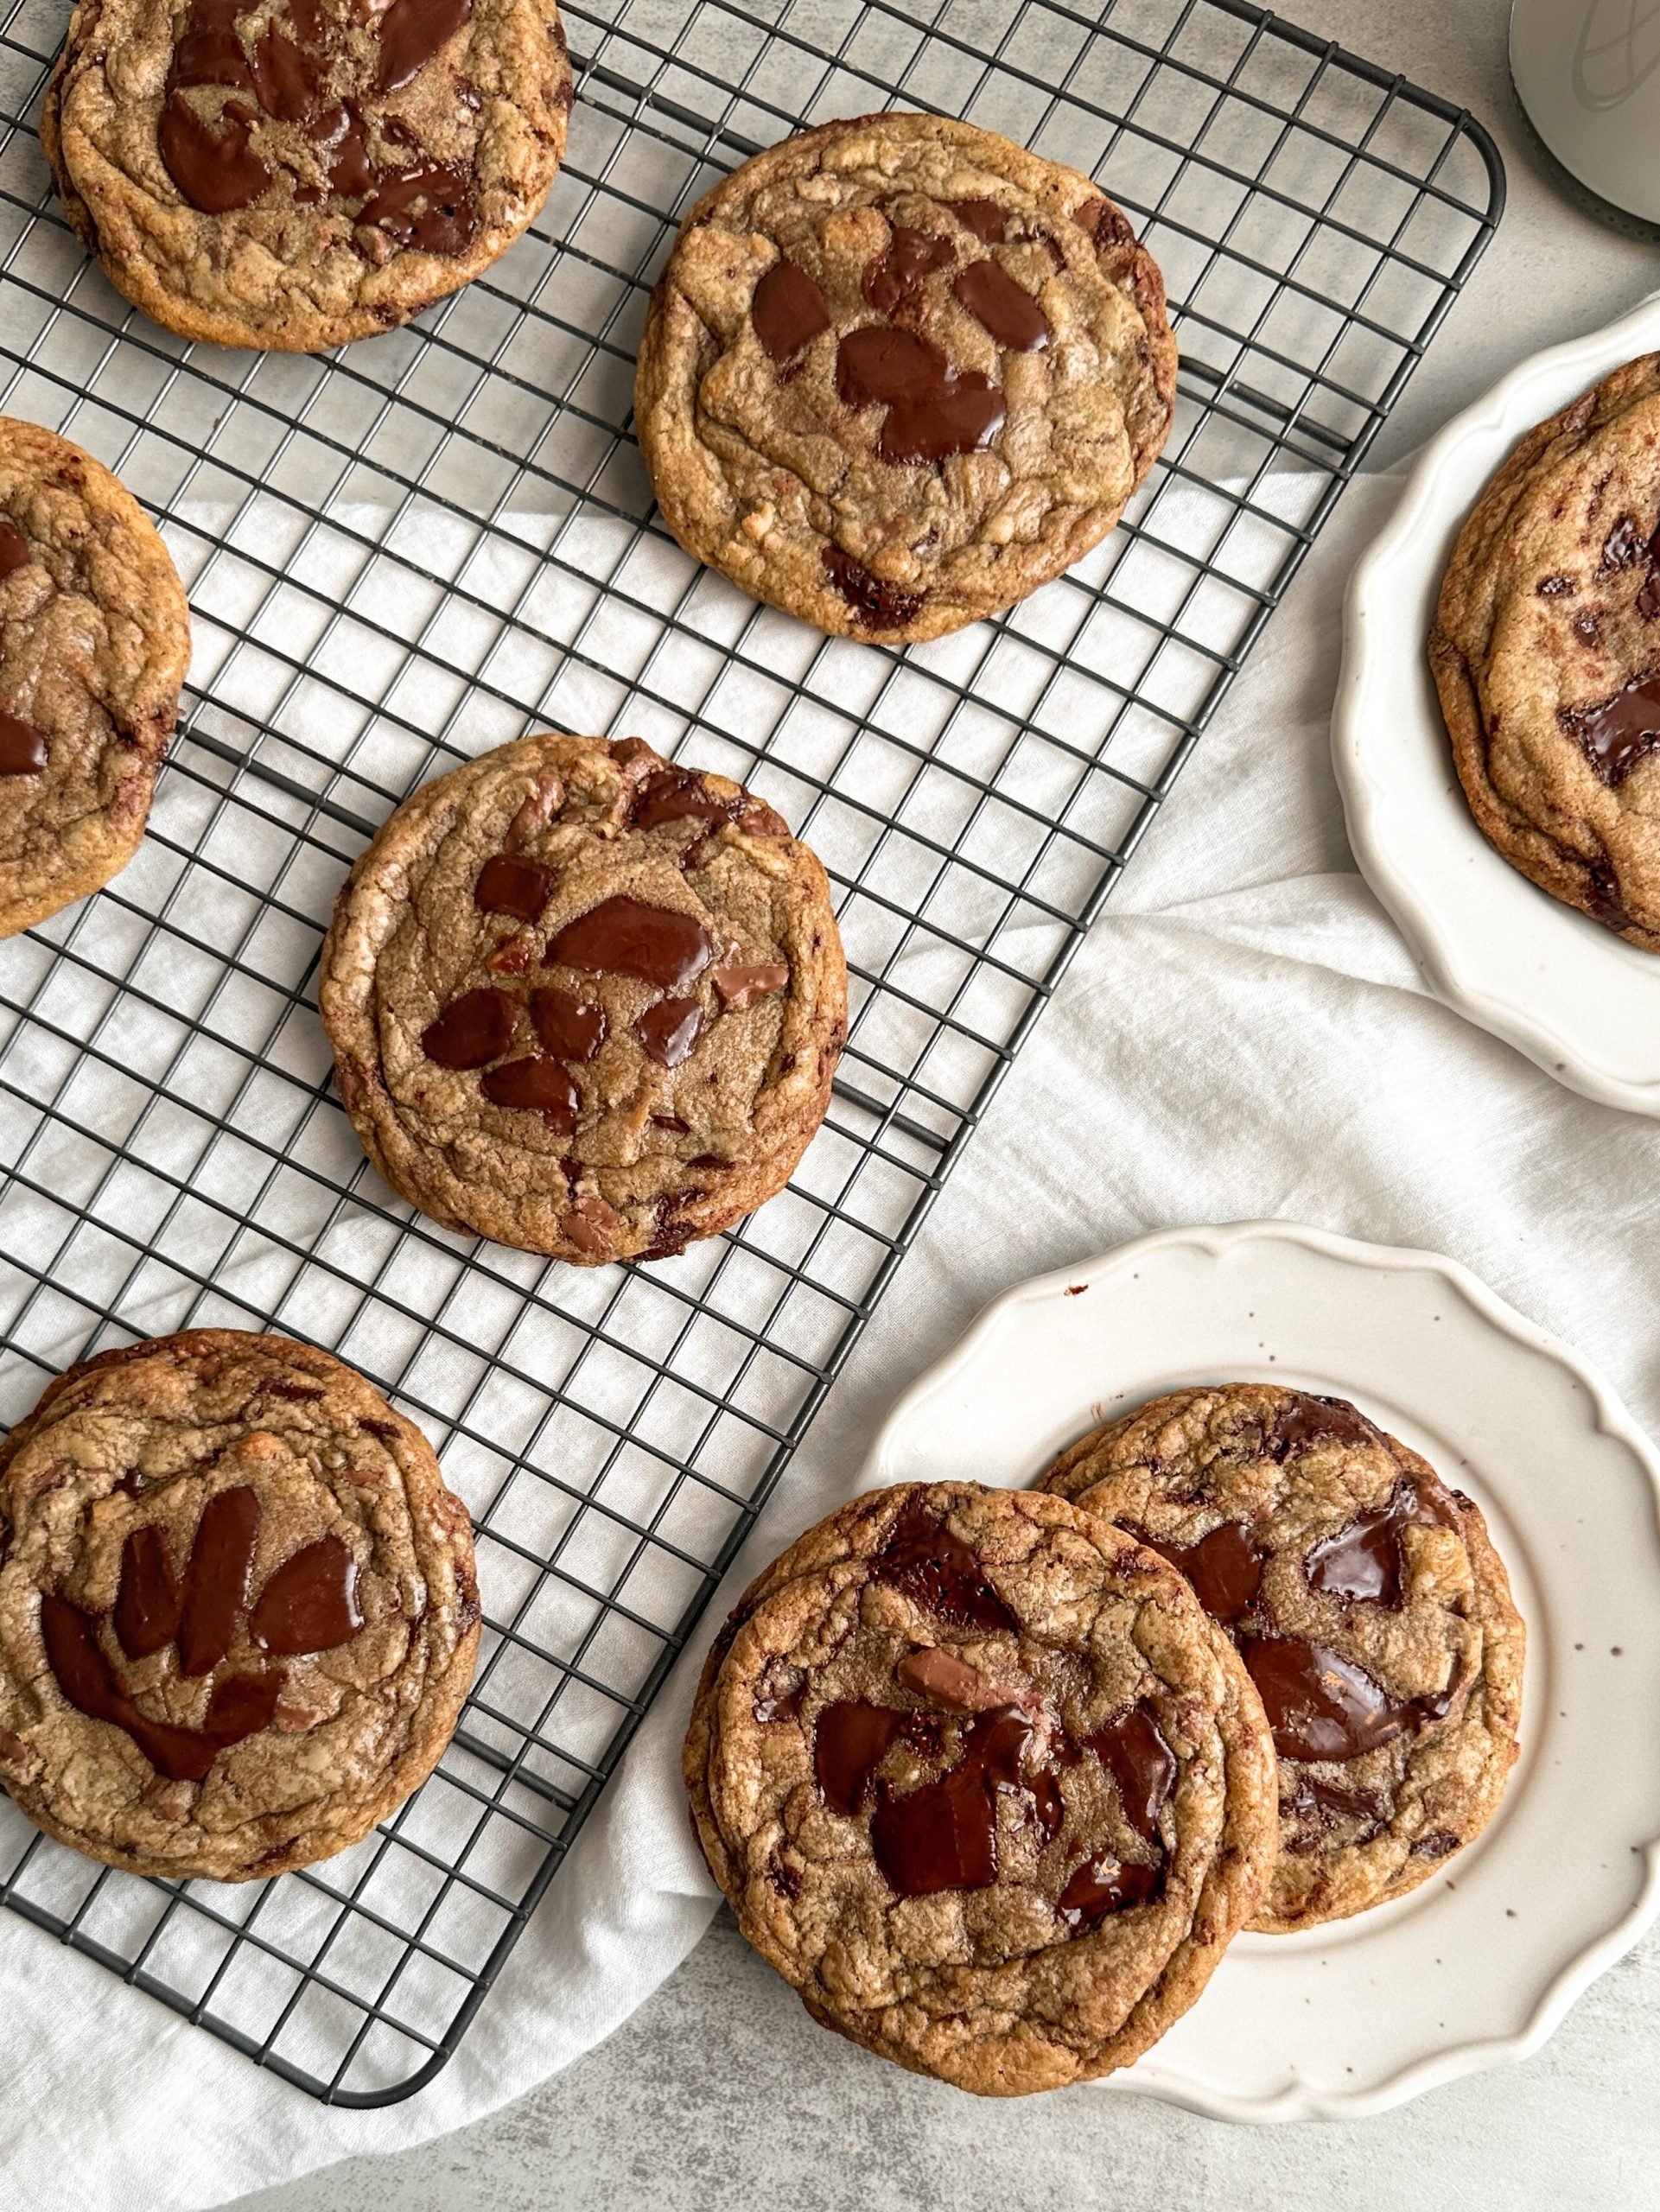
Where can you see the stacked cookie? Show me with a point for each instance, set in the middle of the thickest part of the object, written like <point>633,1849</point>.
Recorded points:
<point>993,1777</point>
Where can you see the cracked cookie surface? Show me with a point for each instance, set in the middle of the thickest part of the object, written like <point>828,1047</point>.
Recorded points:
<point>585,1002</point>
<point>238,1610</point>
<point>983,1782</point>
<point>899,372</point>
<point>94,642</point>
<point>1546,654</point>
<point>292,173</point>
<point>1369,1606</point>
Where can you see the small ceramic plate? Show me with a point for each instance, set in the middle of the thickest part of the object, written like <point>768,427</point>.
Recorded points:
<point>1564,990</point>
<point>1480,1963</point>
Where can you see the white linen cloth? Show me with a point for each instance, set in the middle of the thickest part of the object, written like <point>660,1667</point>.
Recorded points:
<point>1243,1034</point>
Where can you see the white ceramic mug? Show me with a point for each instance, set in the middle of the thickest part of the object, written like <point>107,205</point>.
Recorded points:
<point>1588,75</point>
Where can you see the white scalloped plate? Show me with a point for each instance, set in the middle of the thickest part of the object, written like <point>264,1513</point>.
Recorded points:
<point>1481,1964</point>
<point>1573,996</point>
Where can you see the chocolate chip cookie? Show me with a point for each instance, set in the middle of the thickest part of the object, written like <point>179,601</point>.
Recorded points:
<point>293,173</point>
<point>238,1611</point>
<point>94,642</point>
<point>898,372</point>
<point>1369,1606</point>
<point>983,1783</point>
<point>585,1002</point>
<point>1546,653</point>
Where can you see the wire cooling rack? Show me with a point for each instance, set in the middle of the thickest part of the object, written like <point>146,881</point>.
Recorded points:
<point>443,537</point>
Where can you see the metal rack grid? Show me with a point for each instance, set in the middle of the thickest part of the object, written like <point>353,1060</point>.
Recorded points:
<point>444,536</point>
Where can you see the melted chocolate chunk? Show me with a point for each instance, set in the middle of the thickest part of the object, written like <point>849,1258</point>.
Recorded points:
<point>1602,894</point>
<point>211,158</point>
<point>1623,548</point>
<point>933,410</point>
<point>1317,1807</point>
<point>1309,1420</point>
<point>894,282</point>
<point>238,1707</point>
<point>668,1029</point>
<point>311,1601</point>
<point>962,418</point>
<point>537,1086</point>
<point>788,310</point>
<point>626,936</point>
<point>1438,1844</point>
<point>943,1836</point>
<point>209,52</point>
<point>342,137</point>
<point>983,217</point>
<point>784,1705</point>
<point>1321,1706</point>
<point>411,33</point>
<point>88,1682</point>
<point>944,1680</point>
<point>1225,1568</point>
<point>149,1597</point>
<point>14,550</point>
<point>217,1580</point>
<point>1103,222</point>
<point>850,1741</point>
<point>572,1027</point>
<point>23,749</point>
<point>152,1609</point>
<point>739,986</point>
<point>1133,1751</point>
<point>1106,1885</point>
<point>473,1029</point>
<point>936,1570</point>
<point>1004,308</point>
<point>433,209</point>
<point>212,163</point>
<point>879,605</point>
<point>507,886</point>
<point>1621,732</point>
<point>287,77</point>
<point>1365,1561</point>
<point>241,1705</point>
<point>513,955</point>
<point>1586,628</point>
<point>876,366</point>
<point>783,1877</point>
<point>1555,587</point>
<point>675,794</point>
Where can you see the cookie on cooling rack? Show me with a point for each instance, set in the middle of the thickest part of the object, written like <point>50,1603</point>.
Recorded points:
<point>94,642</point>
<point>584,1002</point>
<point>238,1611</point>
<point>1546,653</point>
<point>297,174</point>
<point>898,372</point>
<point>984,1783</point>
<point>1371,1607</point>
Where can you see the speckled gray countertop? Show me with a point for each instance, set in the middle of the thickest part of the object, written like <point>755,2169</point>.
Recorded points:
<point>721,2092</point>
